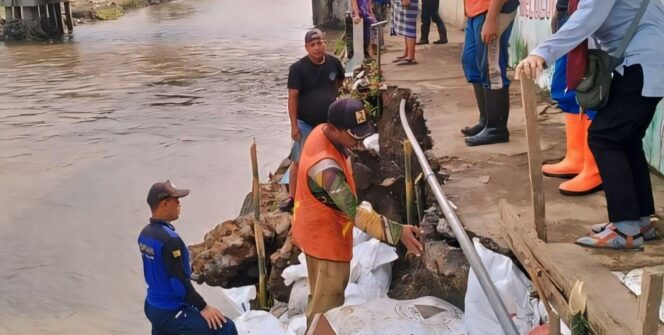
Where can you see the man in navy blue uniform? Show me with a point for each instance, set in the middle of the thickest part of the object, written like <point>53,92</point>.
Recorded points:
<point>172,304</point>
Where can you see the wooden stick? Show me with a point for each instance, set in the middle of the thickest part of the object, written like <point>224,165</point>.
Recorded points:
<point>58,18</point>
<point>258,231</point>
<point>647,321</point>
<point>68,18</point>
<point>408,155</point>
<point>554,323</point>
<point>256,186</point>
<point>534,155</point>
<point>419,198</point>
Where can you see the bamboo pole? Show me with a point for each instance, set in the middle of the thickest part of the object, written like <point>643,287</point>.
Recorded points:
<point>408,155</point>
<point>258,231</point>
<point>418,197</point>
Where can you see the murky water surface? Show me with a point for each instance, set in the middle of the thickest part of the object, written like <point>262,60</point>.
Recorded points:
<point>86,125</point>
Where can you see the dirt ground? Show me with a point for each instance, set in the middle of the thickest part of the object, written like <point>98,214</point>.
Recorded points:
<point>449,104</point>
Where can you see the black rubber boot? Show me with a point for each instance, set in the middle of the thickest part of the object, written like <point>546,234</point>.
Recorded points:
<point>442,33</point>
<point>481,105</point>
<point>497,113</point>
<point>424,39</point>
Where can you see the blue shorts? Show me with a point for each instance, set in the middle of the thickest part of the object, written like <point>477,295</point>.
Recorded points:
<point>185,321</point>
<point>478,66</point>
<point>305,130</point>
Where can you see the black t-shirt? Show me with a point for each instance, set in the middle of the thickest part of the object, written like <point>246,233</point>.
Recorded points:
<point>317,85</point>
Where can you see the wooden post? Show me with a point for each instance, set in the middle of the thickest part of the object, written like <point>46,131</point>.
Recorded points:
<point>255,190</point>
<point>58,18</point>
<point>419,198</point>
<point>408,175</point>
<point>258,230</point>
<point>534,155</point>
<point>68,18</point>
<point>647,321</point>
<point>554,324</point>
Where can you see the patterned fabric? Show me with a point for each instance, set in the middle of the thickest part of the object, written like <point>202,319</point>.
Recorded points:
<point>404,19</point>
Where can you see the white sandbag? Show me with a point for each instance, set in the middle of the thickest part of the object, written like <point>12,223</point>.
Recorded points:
<point>299,297</point>
<point>295,272</point>
<point>258,323</point>
<point>231,302</point>
<point>372,143</point>
<point>369,255</point>
<point>377,282</point>
<point>297,325</point>
<point>427,315</point>
<point>242,296</point>
<point>513,288</point>
<point>359,236</point>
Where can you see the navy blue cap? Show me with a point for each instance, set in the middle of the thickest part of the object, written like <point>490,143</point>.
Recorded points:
<point>349,113</point>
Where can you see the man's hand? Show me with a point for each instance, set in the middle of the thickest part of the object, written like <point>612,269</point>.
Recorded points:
<point>213,317</point>
<point>410,238</point>
<point>489,30</point>
<point>532,67</point>
<point>405,3</point>
<point>295,132</point>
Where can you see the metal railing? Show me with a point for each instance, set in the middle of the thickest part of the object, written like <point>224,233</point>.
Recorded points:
<point>469,251</point>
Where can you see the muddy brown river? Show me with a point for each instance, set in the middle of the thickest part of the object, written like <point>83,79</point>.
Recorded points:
<point>88,124</point>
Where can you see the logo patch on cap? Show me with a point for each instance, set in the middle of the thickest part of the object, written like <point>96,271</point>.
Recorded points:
<point>360,116</point>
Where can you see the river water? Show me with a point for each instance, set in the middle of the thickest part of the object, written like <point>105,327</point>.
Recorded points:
<point>87,125</point>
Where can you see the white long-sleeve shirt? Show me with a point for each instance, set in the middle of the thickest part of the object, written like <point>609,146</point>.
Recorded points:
<point>608,21</point>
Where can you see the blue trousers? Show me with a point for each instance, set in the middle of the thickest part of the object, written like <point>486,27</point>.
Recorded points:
<point>475,58</point>
<point>185,321</point>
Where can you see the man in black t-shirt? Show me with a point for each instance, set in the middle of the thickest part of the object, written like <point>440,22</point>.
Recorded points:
<point>313,83</point>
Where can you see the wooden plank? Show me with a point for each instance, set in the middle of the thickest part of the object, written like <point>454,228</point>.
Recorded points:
<point>58,18</point>
<point>258,230</point>
<point>529,101</point>
<point>647,321</point>
<point>408,175</point>
<point>548,291</point>
<point>554,324</point>
<point>68,18</point>
<point>611,307</point>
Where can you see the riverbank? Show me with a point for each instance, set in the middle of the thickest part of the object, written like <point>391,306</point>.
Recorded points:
<point>83,11</point>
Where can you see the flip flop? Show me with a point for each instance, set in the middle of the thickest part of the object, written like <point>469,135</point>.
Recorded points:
<point>398,59</point>
<point>407,61</point>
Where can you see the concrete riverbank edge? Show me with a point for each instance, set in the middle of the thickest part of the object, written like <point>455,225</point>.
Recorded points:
<point>480,177</point>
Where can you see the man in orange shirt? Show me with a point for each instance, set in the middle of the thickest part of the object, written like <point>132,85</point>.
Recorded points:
<point>484,63</point>
<point>326,207</point>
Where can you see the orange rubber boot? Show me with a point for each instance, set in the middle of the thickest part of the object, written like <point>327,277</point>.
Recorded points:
<point>588,181</point>
<point>572,164</point>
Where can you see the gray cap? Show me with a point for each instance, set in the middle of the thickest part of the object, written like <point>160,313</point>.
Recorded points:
<point>162,190</point>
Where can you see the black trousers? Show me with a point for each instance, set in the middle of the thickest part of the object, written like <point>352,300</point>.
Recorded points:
<point>615,139</point>
<point>430,13</point>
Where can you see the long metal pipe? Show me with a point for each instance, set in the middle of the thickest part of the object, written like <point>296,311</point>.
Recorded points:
<point>466,245</point>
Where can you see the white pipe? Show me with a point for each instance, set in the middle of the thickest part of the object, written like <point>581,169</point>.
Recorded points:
<point>466,245</point>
